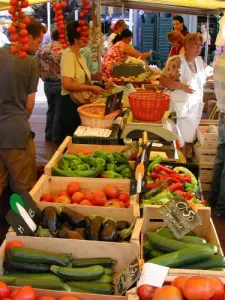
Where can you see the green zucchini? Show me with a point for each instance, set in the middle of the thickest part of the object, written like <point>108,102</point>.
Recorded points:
<point>108,271</point>
<point>217,269</point>
<point>10,280</point>
<point>33,256</point>
<point>89,262</point>
<point>46,276</point>
<point>12,266</point>
<point>192,239</point>
<point>42,284</point>
<point>216,261</point>
<point>81,274</point>
<point>156,253</point>
<point>184,256</point>
<point>92,287</point>
<point>77,290</point>
<point>105,279</point>
<point>214,247</point>
<point>166,230</point>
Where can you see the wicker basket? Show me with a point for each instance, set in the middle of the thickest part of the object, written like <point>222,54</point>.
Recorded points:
<point>148,105</point>
<point>92,115</point>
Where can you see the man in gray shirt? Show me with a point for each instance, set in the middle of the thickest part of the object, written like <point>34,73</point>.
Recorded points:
<point>18,85</point>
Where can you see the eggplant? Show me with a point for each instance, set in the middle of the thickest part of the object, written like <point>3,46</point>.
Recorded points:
<point>92,229</point>
<point>122,225</point>
<point>75,234</point>
<point>74,219</point>
<point>50,218</point>
<point>108,232</point>
<point>64,231</point>
<point>125,234</point>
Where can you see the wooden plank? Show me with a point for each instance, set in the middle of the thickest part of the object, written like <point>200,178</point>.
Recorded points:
<point>206,187</point>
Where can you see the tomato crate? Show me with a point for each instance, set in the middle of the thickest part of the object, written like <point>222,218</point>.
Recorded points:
<point>153,221</point>
<point>77,251</point>
<point>68,147</point>
<point>206,140</point>
<point>53,185</point>
<point>204,154</point>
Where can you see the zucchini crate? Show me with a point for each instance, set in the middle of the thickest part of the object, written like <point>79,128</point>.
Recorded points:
<point>68,147</point>
<point>53,185</point>
<point>58,247</point>
<point>123,252</point>
<point>153,221</point>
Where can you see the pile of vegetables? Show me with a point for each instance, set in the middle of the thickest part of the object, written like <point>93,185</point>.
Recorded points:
<point>53,271</point>
<point>165,182</point>
<point>189,252</point>
<point>99,164</point>
<point>110,196</point>
<point>68,224</point>
<point>189,288</point>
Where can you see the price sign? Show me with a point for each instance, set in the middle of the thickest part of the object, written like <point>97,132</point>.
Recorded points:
<point>153,274</point>
<point>128,277</point>
<point>139,174</point>
<point>179,216</point>
<point>113,103</point>
<point>25,215</point>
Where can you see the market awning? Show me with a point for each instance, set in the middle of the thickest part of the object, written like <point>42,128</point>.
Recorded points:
<point>4,4</point>
<point>192,7</point>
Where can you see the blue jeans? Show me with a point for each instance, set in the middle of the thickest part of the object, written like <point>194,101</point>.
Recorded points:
<point>217,196</point>
<point>53,130</point>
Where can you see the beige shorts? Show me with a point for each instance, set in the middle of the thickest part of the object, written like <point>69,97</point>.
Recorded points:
<point>18,166</point>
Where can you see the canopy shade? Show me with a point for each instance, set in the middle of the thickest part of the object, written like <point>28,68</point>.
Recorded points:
<point>4,4</point>
<point>192,7</point>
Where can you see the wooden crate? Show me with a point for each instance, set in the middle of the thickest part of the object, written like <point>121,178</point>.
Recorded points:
<point>203,154</point>
<point>206,174</point>
<point>78,253</point>
<point>153,221</point>
<point>53,185</point>
<point>68,147</point>
<point>206,122</point>
<point>207,140</point>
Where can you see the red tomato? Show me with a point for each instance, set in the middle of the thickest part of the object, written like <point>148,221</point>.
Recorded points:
<point>79,29</point>
<point>25,293</point>
<point>168,293</point>
<point>26,20</point>
<point>24,48</point>
<point>23,32</point>
<point>22,26</point>
<point>6,299</point>
<point>81,14</point>
<point>12,29</point>
<point>13,2</point>
<point>145,292</point>
<point>14,49</point>
<point>63,4</point>
<point>14,293</point>
<point>46,298</point>
<point>198,288</point>
<point>220,292</point>
<point>14,18</point>
<point>44,197</point>
<point>24,40</point>
<point>63,199</point>
<point>69,298</point>
<point>84,33</point>
<point>86,202</point>
<point>72,188</point>
<point>14,37</point>
<point>22,54</point>
<point>24,4</point>
<point>12,10</point>
<point>89,196</point>
<point>63,193</point>
<point>77,197</point>
<point>124,197</point>
<point>99,198</point>
<point>4,290</point>
<point>13,244</point>
<point>60,18</point>
<point>21,15</point>
<point>127,204</point>
<point>112,203</point>
<point>85,12</point>
<point>111,191</point>
<point>81,22</point>
<point>122,204</point>
<point>179,282</point>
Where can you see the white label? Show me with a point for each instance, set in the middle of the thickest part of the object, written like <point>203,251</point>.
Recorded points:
<point>153,274</point>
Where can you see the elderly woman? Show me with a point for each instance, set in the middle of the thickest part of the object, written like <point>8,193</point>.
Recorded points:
<point>176,39</point>
<point>184,77</point>
<point>77,88</point>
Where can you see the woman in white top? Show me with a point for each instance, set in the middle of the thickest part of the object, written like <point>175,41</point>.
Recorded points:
<point>117,29</point>
<point>76,81</point>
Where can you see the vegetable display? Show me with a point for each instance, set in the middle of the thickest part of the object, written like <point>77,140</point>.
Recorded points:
<point>189,288</point>
<point>59,271</point>
<point>68,224</point>
<point>110,196</point>
<point>99,164</point>
<point>189,252</point>
<point>165,182</point>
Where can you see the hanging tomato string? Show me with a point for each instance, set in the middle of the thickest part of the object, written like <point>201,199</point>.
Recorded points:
<point>59,20</point>
<point>17,30</point>
<point>83,29</point>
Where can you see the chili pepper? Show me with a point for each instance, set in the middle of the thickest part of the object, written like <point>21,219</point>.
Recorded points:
<point>126,173</point>
<point>153,184</point>
<point>186,195</point>
<point>70,173</point>
<point>191,188</point>
<point>159,168</point>
<point>176,187</point>
<point>156,176</point>
<point>203,202</point>
<point>64,164</point>
<point>111,174</point>
<point>186,171</point>
<point>173,179</point>
<point>164,194</point>
<point>156,190</point>
<point>155,162</point>
<point>185,178</point>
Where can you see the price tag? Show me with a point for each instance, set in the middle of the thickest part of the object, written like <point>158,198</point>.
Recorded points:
<point>179,216</point>
<point>113,103</point>
<point>153,274</point>
<point>25,215</point>
<point>128,277</point>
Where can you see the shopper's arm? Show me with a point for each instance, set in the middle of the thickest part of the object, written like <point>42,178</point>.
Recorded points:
<point>74,86</point>
<point>128,49</point>
<point>30,104</point>
<point>170,83</point>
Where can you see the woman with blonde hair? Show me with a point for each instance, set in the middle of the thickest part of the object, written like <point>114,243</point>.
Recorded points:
<point>116,29</point>
<point>176,39</point>
<point>184,77</point>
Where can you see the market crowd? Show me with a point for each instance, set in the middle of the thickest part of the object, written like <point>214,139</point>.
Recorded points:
<point>70,78</point>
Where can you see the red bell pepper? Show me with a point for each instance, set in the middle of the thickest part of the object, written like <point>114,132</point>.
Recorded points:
<point>176,187</point>
<point>156,176</point>
<point>186,195</point>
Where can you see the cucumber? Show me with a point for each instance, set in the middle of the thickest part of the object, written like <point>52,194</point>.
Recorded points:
<point>42,284</point>
<point>105,279</point>
<point>184,256</point>
<point>33,256</point>
<point>88,262</point>
<point>12,266</point>
<point>217,269</point>
<point>155,253</point>
<point>216,261</point>
<point>81,274</point>
<point>192,240</point>
<point>92,287</point>
<point>10,280</point>
<point>214,247</point>
<point>108,271</point>
<point>165,230</point>
<point>47,276</point>
<point>147,247</point>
